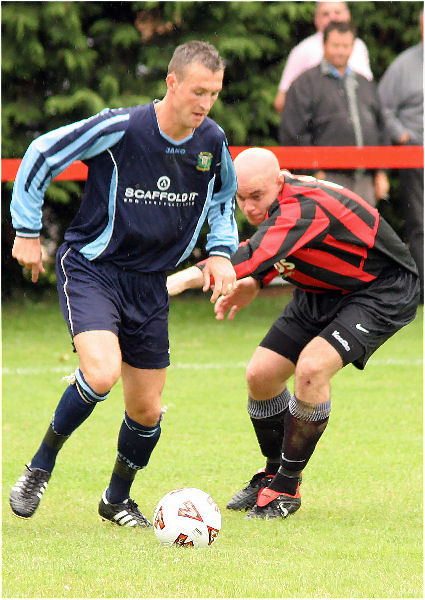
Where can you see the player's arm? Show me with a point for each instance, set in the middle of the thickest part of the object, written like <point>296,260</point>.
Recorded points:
<point>222,240</point>
<point>185,280</point>
<point>46,157</point>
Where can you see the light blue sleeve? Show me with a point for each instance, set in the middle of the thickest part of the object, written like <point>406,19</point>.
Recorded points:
<point>52,153</point>
<point>223,237</point>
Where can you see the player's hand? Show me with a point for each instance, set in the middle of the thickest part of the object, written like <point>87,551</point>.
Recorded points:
<point>184,280</point>
<point>244,292</point>
<point>27,252</point>
<point>221,271</point>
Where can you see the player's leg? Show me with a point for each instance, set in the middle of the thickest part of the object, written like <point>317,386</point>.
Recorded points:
<point>86,303</point>
<point>138,436</point>
<point>304,423</point>
<point>99,369</point>
<point>361,323</point>
<point>145,353</point>
<point>268,398</point>
<point>140,429</point>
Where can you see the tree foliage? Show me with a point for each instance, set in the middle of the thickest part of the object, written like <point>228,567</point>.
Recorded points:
<point>64,61</point>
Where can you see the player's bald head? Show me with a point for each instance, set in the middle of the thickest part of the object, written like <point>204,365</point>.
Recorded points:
<point>259,182</point>
<point>256,164</point>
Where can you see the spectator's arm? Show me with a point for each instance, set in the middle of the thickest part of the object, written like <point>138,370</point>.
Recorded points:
<point>297,113</point>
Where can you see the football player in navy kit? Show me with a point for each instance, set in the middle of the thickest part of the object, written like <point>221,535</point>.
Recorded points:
<point>356,285</point>
<point>155,173</point>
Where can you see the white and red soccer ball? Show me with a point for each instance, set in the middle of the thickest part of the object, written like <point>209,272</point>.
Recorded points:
<point>187,517</point>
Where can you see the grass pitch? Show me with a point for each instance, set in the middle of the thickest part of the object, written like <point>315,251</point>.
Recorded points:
<point>358,532</point>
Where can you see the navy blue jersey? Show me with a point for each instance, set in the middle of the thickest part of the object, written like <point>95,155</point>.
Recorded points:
<point>146,195</point>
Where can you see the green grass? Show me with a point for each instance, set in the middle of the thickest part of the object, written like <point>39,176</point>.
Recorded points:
<point>358,533</point>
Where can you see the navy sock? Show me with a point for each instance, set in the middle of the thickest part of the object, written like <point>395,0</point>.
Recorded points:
<point>135,445</point>
<point>71,411</point>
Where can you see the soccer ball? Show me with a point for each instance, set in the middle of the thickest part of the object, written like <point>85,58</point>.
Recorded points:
<point>187,517</point>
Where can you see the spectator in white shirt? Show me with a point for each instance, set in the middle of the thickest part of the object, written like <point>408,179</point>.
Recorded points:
<point>309,52</point>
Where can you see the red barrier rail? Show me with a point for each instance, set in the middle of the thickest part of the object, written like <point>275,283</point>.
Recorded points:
<point>293,157</point>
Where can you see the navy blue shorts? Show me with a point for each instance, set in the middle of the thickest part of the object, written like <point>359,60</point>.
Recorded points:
<point>101,296</point>
<point>355,324</point>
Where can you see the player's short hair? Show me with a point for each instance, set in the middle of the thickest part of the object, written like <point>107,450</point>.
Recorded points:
<point>201,52</point>
<point>341,27</point>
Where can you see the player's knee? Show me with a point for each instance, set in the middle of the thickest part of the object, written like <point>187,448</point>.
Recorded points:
<point>309,371</point>
<point>102,379</point>
<point>147,416</point>
<point>254,378</point>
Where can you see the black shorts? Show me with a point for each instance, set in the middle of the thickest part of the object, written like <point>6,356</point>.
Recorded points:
<point>355,324</point>
<point>101,296</point>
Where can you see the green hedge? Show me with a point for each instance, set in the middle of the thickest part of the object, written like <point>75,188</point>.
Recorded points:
<point>64,61</point>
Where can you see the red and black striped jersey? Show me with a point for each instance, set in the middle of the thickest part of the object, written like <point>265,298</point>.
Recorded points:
<point>321,237</point>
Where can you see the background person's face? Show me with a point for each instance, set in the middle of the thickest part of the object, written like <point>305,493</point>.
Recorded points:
<point>338,48</point>
<point>330,11</point>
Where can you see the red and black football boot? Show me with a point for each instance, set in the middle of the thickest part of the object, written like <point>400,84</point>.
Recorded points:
<point>275,505</point>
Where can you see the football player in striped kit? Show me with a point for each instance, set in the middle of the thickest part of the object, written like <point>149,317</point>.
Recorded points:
<point>155,173</point>
<point>356,284</point>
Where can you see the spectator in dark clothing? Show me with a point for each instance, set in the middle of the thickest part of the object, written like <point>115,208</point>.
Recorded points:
<point>402,97</point>
<point>331,105</point>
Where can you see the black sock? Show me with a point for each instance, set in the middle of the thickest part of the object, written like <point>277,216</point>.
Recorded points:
<point>269,432</point>
<point>299,442</point>
<point>45,457</point>
<point>70,413</point>
<point>267,418</point>
<point>121,480</point>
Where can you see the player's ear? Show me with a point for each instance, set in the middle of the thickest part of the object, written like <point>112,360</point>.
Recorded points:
<point>171,81</point>
<point>280,179</point>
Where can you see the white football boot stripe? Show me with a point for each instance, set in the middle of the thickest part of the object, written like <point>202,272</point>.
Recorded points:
<point>20,483</point>
<point>124,519</point>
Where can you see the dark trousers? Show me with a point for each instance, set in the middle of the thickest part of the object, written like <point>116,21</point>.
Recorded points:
<point>412,205</point>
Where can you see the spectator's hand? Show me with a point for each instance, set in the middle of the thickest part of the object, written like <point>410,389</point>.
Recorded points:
<point>279,101</point>
<point>245,291</point>
<point>404,138</point>
<point>27,252</point>
<point>320,175</point>
<point>219,274</point>
<point>381,185</point>
<point>184,280</point>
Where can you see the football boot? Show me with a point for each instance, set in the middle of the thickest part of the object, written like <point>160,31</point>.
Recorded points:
<point>246,498</point>
<point>27,492</point>
<point>275,505</point>
<point>125,514</point>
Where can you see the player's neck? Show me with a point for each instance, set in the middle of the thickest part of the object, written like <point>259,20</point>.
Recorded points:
<point>168,123</point>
